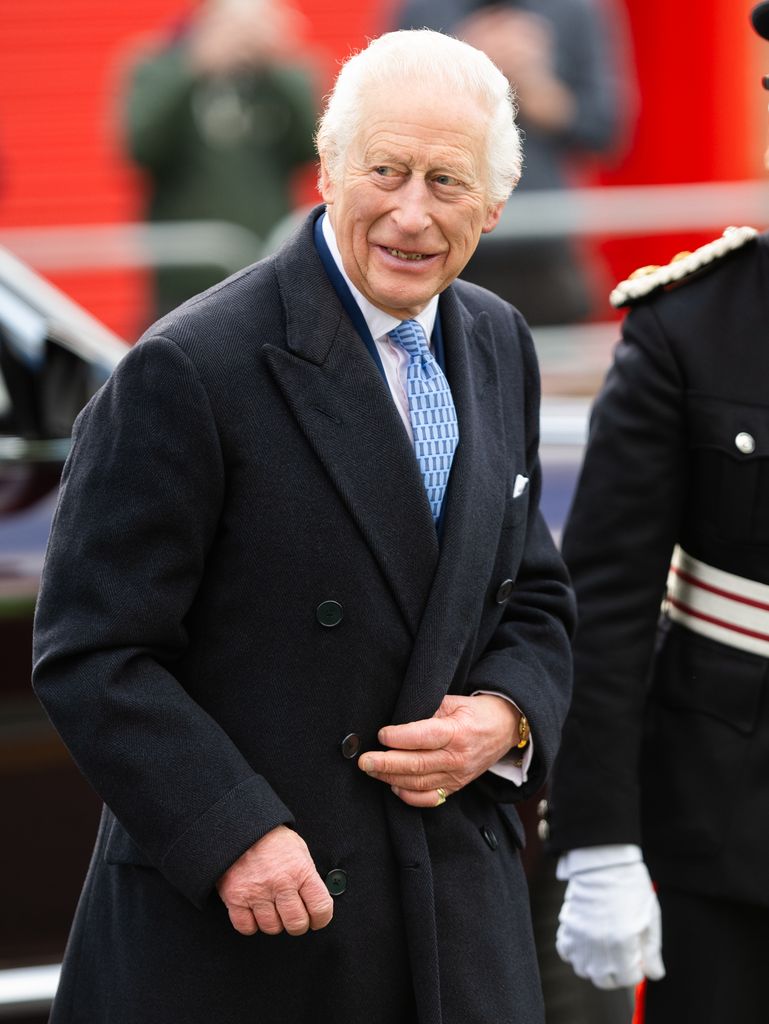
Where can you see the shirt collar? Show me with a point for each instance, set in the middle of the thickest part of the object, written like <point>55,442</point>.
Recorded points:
<point>377,321</point>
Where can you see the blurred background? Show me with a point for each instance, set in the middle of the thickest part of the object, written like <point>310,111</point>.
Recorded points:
<point>70,190</point>
<point>151,148</point>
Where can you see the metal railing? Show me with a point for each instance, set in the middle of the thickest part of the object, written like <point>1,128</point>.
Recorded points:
<point>609,211</point>
<point>25,991</point>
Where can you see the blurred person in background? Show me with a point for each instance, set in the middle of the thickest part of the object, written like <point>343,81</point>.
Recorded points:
<point>302,623</point>
<point>570,67</point>
<point>220,116</point>
<point>663,775</point>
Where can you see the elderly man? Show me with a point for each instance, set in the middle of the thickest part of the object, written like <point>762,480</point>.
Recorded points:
<point>299,593</point>
<point>664,770</point>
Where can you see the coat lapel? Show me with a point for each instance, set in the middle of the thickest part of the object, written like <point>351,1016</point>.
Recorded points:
<point>345,410</point>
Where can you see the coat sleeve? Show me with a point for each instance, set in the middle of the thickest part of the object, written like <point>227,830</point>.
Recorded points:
<point>618,542</point>
<point>528,657</point>
<point>138,509</point>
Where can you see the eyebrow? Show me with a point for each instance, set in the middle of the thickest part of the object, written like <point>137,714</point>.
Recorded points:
<point>386,158</point>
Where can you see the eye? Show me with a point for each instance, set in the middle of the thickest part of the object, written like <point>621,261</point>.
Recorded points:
<point>384,172</point>
<point>446,180</point>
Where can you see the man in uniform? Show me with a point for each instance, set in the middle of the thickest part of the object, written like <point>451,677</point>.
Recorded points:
<point>664,770</point>
<point>299,601</point>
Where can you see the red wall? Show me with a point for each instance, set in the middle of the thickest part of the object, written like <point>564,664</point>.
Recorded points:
<point>702,109</point>
<point>60,69</point>
<point>702,114</point>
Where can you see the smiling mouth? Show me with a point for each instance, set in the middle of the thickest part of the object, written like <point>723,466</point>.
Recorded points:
<point>412,257</point>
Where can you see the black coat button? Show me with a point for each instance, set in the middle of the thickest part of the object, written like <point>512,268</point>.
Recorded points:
<point>490,837</point>
<point>351,745</point>
<point>336,881</point>
<point>505,590</point>
<point>329,613</point>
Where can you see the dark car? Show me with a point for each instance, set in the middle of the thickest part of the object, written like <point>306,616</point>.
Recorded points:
<point>53,356</point>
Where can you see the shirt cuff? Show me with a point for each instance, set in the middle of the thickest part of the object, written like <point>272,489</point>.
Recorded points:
<point>512,766</point>
<point>593,858</point>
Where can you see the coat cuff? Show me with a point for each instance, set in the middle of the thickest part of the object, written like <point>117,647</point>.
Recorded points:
<point>202,854</point>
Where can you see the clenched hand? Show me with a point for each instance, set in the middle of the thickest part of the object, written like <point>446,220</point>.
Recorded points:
<point>274,886</point>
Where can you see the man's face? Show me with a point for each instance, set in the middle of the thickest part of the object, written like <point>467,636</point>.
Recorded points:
<point>410,205</point>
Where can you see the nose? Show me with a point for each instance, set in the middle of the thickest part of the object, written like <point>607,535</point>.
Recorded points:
<point>412,210</point>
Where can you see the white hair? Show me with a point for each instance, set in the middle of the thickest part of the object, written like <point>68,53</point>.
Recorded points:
<point>449,66</point>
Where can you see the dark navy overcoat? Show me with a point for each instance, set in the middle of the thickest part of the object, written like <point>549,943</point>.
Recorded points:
<point>245,466</point>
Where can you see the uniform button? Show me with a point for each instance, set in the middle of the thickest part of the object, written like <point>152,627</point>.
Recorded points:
<point>351,745</point>
<point>745,442</point>
<point>336,881</point>
<point>329,613</point>
<point>542,809</point>
<point>491,840</point>
<point>505,590</point>
<point>543,829</point>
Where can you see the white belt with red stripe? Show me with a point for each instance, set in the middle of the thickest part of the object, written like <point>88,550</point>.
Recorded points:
<point>718,604</point>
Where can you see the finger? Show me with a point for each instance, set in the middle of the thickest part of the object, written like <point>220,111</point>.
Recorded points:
<point>607,982</point>
<point>628,977</point>
<point>415,798</point>
<point>427,734</point>
<point>409,763</point>
<point>292,912</point>
<point>619,965</point>
<point>318,901</point>
<point>242,920</point>
<point>267,917</point>
<point>564,945</point>
<point>419,783</point>
<point>651,950</point>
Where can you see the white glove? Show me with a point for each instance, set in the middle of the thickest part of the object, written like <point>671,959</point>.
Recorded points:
<point>610,929</point>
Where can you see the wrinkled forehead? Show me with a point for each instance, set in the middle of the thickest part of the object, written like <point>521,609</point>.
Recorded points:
<point>418,118</point>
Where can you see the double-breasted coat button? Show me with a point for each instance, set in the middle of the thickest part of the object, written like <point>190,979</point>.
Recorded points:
<point>543,829</point>
<point>336,881</point>
<point>489,836</point>
<point>745,442</point>
<point>542,809</point>
<point>351,745</point>
<point>505,590</point>
<point>329,613</point>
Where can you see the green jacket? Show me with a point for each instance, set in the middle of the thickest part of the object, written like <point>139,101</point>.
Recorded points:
<point>218,149</point>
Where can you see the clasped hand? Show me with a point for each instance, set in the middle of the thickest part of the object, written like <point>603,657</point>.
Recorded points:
<point>465,737</point>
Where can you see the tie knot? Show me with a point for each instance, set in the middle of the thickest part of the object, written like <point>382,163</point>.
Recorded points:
<point>410,336</point>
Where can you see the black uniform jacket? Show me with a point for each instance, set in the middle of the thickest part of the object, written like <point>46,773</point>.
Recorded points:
<point>667,742</point>
<point>243,572</point>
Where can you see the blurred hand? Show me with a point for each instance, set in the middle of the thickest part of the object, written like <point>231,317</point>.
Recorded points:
<point>519,42</point>
<point>274,886</point>
<point>610,929</point>
<point>522,45</point>
<point>228,35</point>
<point>465,737</point>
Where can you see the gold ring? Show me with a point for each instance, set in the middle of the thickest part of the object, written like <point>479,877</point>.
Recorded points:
<point>442,794</point>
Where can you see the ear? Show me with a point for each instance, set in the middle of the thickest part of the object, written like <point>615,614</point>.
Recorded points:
<point>326,184</point>
<point>493,213</point>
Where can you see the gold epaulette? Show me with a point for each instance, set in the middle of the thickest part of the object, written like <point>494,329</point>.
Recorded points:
<point>645,280</point>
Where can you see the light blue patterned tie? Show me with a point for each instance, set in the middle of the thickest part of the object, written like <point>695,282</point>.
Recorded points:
<point>431,410</point>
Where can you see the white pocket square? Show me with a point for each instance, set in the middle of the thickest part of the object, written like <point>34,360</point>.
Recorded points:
<point>520,485</point>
